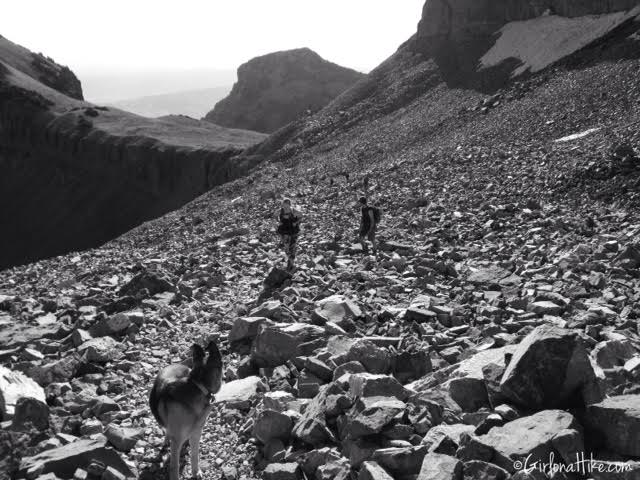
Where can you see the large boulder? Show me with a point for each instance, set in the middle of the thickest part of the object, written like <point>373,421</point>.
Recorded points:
<point>275,344</point>
<point>61,370</point>
<point>375,416</point>
<point>370,385</point>
<point>467,386</point>
<point>241,393</point>
<point>245,329</point>
<point>151,282</point>
<point>400,461</point>
<point>112,325</point>
<point>30,413</point>
<point>13,387</point>
<point>271,424</point>
<point>533,438</point>
<point>617,421</point>
<point>549,369</point>
<point>101,350</point>
<point>375,359</point>
<point>336,309</point>
<point>63,461</point>
<point>312,427</point>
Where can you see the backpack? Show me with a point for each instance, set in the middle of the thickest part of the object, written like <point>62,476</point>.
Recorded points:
<point>377,214</point>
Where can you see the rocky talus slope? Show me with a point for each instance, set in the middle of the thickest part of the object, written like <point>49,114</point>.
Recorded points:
<point>497,327</point>
<point>276,89</point>
<point>75,175</point>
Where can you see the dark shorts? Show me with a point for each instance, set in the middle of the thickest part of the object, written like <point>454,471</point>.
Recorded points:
<point>369,234</point>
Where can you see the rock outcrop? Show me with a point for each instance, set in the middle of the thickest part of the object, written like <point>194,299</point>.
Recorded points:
<point>457,33</point>
<point>75,175</point>
<point>276,89</point>
<point>469,20</point>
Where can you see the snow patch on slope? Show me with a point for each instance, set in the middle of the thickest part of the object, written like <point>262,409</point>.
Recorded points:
<point>539,42</point>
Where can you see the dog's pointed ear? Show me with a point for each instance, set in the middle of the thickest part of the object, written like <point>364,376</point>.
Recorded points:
<point>215,357</point>
<point>198,355</point>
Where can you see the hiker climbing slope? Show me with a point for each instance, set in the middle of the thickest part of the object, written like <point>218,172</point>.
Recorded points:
<point>368,223</point>
<point>289,229</point>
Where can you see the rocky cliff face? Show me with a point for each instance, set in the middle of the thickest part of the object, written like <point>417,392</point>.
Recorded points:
<point>75,175</point>
<point>458,32</point>
<point>463,20</point>
<point>278,88</point>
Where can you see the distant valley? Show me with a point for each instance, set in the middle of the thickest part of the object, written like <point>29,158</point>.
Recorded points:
<point>193,103</point>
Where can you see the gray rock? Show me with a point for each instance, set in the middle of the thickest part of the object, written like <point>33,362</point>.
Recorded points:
<point>374,359</point>
<point>548,369</point>
<point>617,420</point>
<point>113,325</point>
<point>436,434</point>
<point>101,350</point>
<point>241,393</point>
<point>370,385</point>
<point>312,427</point>
<point>272,425</point>
<point>336,309</point>
<point>63,461</point>
<point>436,466</point>
<point>335,470</point>
<point>400,461</point>
<point>123,438</point>
<point>14,386</point>
<point>613,353</point>
<point>103,404</point>
<point>348,367</point>
<point>545,307</point>
<point>529,437</point>
<point>374,417</point>
<point>246,328</point>
<point>479,470</point>
<point>408,366</point>
<point>282,471</point>
<point>492,275</point>
<point>274,345</point>
<point>317,457</point>
<point>58,371</point>
<point>30,412</point>
<point>373,471</point>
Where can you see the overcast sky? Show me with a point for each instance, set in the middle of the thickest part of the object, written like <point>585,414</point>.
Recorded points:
<point>120,35</point>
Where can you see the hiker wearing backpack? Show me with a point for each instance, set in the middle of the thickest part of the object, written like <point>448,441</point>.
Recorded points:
<point>289,229</point>
<point>368,223</point>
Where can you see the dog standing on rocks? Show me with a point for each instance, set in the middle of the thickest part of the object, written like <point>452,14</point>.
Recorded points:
<point>181,400</point>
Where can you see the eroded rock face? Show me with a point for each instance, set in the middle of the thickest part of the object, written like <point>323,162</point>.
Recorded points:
<point>77,175</point>
<point>461,20</point>
<point>280,87</point>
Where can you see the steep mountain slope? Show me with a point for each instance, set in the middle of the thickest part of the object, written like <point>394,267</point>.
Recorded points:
<point>280,87</point>
<point>41,68</point>
<point>501,310</point>
<point>77,175</point>
<point>193,103</point>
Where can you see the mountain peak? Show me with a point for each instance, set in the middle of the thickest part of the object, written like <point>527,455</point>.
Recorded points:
<point>277,88</point>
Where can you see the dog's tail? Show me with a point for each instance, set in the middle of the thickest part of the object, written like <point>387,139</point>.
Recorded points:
<point>154,402</point>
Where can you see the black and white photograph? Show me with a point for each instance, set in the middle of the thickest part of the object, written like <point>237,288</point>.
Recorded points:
<point>337,240</point>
